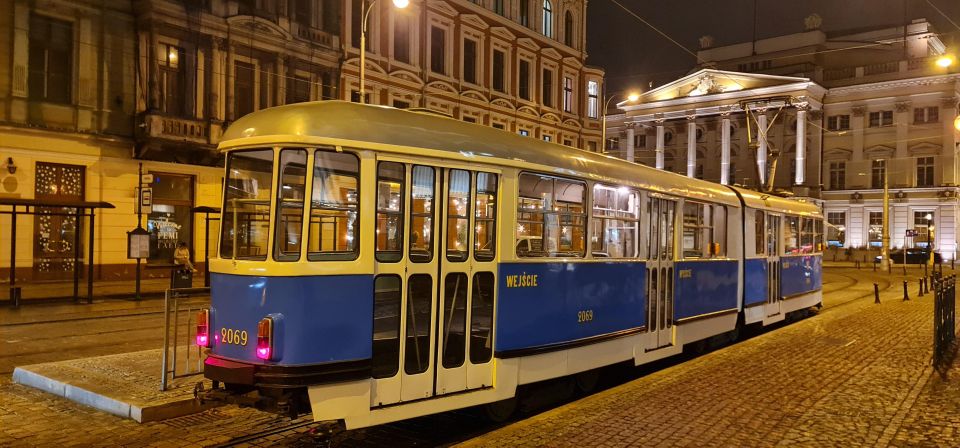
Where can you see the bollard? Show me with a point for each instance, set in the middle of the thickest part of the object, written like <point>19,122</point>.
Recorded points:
<point>874,266</point>
<point>858,263</point>
<point>926,284</point>
<point>920,284</point>
<point>15,293</point>
<point>876,293</point>
<point>905,295</point>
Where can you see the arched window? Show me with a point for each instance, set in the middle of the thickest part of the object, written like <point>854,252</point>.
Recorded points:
<point>547,18</point>
<point>568,29</point>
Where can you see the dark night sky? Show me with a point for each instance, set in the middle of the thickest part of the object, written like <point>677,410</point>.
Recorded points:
<point>632,53</point>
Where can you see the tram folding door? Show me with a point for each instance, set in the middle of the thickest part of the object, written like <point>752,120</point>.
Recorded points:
<point>772,307</point>
<point>660,282</point>
<point>433,305</point>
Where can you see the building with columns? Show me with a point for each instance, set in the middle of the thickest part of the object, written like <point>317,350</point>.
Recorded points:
<point>870,114</point>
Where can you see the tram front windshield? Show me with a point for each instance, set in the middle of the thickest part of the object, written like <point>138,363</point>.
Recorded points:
<point>245,222</point>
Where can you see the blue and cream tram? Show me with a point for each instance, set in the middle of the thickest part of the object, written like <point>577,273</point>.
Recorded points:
<point>378,264</point>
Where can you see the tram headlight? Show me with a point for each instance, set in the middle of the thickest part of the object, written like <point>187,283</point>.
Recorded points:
<point>265,338</point>
<point>203,328</point>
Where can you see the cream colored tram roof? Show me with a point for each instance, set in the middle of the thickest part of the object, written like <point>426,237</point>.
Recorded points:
<point>764,201</point>
<point>339,122</point>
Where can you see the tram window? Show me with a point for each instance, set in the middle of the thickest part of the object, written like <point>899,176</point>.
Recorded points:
<point>616,218</point>
<point>419,324</point>
<point>818,236</point>
<point>806,235</point>
<point>759,232</point>
<point>246,205</point>
<point>386,326</point>
<point>293,180</point>
<point>391,177</point>
<point>458,215</point>
<point>481,318</point>
<point>697,230</point>
<point>332,230</point>
<point>485,239</point>
<point>421,214</point>
<point>454,320</point>
<point>791,235</point>
<point>719,231</point>
<point>550,219</point>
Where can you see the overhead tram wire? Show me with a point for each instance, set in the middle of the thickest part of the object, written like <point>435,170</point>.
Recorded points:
<point>945,16</point>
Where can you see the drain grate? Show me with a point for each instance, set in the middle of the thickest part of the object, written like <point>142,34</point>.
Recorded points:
<point>211,416</point>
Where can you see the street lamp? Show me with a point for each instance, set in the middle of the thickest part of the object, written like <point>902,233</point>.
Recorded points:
<point>400,4</point>
<point>603,120</point>
<point>945,61</point>
<point>929,218</point>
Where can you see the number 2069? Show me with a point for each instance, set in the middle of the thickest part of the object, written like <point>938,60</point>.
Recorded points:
<point>584,316</point>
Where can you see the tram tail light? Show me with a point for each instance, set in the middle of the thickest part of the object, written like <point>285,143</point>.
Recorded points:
<point>265,338</point>
<point>203,328</point>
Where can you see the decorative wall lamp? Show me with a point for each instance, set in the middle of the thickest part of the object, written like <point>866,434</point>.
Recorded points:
<point>11,168</point>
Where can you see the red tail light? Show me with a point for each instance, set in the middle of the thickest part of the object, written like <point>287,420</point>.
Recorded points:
<point>265,338</point>
<point>203,328</point>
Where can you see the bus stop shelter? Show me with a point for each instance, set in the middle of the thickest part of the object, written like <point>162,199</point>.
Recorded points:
<point>77,209</point>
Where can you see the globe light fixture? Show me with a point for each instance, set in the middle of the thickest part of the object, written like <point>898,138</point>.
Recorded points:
<point>945,61</point>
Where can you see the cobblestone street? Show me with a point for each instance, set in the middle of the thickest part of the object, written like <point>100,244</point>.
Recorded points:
<point>855,374</point>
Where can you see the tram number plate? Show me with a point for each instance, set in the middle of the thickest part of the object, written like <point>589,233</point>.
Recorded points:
<point>236,337</point>
<point>584,316</point>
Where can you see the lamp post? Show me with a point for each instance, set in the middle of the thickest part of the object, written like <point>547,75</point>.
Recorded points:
<point>363,42</point>
<point>885,233</point>
<point>603,118</point>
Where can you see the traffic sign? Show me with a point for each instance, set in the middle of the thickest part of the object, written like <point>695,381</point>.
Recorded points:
<point>146,179</point>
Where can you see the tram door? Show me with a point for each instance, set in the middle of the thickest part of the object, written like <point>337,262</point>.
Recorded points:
<point>659,300</point>
<point>434,287</point>
<point>772,307</point>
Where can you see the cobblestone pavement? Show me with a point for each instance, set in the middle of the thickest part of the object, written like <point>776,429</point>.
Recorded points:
<point>854,375</point>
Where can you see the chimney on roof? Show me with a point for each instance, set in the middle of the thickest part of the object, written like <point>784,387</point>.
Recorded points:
<point>706,42</point>
<point>813,22</point>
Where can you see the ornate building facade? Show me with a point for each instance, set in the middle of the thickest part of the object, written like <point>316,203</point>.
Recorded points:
<point>89,90</point>
<point>870,114</point>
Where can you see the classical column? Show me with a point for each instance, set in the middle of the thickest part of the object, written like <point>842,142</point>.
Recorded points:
<point>856,125</point>
<point>660,132</point>
<point>902,120</point>
<point>762,147</point>
<point>281,77</point>
<point>801,146</point>
<point>231,113</point>
<point>153,67</point>
<point>630,140</point>
<point>951,139</point>
<point>725,149</point>
<point>218,80</point>
<point>691,145</point>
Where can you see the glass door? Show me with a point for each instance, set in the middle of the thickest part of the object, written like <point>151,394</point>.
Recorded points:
<point>660,277</point>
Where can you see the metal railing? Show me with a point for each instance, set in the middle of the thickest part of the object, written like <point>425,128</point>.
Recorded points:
<point>944,318</point>
<point>179,333</point>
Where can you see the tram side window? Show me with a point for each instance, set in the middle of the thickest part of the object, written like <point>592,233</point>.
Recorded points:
<point>391,177</point>
<point>419,324</point>
<point>332,230</point>
<point>791,235</point>
<point>806,235</point>
<point>719,241</point>
<point>550,219</point>
<point>293,180</point>
<point>818,236</point>
<point>760,233</point>
<point>421,214</point>
<point>697,230</point>
<point>246,205</point>
<point>386,326</point>
<point>485,239</point>
<point>458,216</point>
<point>616,217</point>
<point>455,320</point>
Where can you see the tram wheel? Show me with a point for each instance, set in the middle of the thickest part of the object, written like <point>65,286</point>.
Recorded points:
<point>501,411</point>
<point>587,381</point>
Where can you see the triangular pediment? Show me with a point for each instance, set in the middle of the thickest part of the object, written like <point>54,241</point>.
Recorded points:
<point>707,82</point>
<point>551,53</point>
<point>503,33</point>
<point>474,21</point>
<point>443,8</point>
<point>528,43</point>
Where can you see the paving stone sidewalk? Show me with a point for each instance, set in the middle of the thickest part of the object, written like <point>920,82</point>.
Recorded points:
<point>858,375</point>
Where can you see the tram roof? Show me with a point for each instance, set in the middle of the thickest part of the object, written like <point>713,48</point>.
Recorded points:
<point>769,202</point>
<point>348,124</point>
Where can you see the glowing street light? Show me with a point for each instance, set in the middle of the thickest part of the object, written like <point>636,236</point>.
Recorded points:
<point>363,43</point>
<point>945,61</point>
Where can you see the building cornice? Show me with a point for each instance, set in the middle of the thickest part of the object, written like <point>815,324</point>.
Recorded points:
<point>895,84</point>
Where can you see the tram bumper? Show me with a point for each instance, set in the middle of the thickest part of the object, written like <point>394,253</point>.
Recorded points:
<point>230,372</point>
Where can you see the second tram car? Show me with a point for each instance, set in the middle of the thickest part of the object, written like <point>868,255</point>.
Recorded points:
<point>377,264</point>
